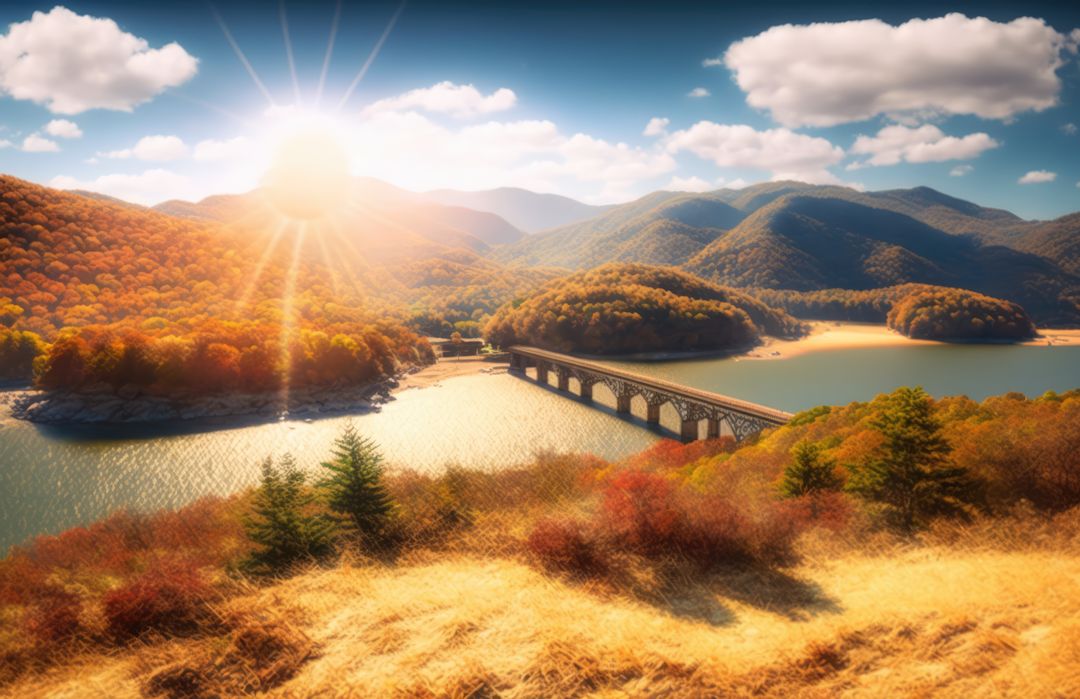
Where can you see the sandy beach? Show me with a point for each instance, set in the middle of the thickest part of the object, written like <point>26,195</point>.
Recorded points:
<point>828,335</point>
<point>448,368</point>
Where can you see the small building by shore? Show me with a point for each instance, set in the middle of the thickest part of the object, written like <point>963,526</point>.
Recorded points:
<point>465,347</point>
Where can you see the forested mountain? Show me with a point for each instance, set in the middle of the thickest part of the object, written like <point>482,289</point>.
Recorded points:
<point>660,228</point>
<point>528,211</point>
<point>389,222</point>
<point>792,235</point>
<point>814,242</point>
<point>621,308</point>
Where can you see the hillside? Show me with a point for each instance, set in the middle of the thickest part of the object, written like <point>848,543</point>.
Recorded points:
<point>791,235</point>
<point>627,308</point>
<point>682,571</point>
<point>388,222</point>
<point>811,242</point>
<point>528,211</point>
<point>660,228</point>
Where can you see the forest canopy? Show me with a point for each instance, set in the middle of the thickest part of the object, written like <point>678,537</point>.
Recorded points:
<point>624,308</point>
<point>957,314</point>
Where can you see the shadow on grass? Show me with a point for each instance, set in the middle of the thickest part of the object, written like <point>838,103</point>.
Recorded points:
<point>702,596</point>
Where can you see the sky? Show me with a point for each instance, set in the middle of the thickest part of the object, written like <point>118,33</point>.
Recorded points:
<point>601,101</point>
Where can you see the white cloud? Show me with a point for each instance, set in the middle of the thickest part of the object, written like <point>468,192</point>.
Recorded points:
<point>712,62</point>
<point>784,153</point>
<point>925,144</point>
<point>155,148</point>
<point>831,73</point>
<point>62,128</point>
<point>37,144</point>
<point>698,184</point>
<point>71,63</point>
<point>228,150</point>
<point>149,187</point>
<point>960,170</point>
<point>4,143</point>
<point>1069,129</point>
<point>1038,177</point>
<point>689,184</point>
<point>413,151</point>
<point>657,126</point>
<point>447,98</point>
<point>698,92</point>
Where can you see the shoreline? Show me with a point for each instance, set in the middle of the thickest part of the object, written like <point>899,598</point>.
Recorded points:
<point>832,335</point>
<point>101,410</point>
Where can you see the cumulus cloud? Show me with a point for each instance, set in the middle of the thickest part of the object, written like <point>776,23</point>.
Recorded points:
<point>156,148</point>
<point>831,73</point>
<point>447,98</point>
<point>657,126</point>
<point>38,144</point>
<point>1038,177</point>
<point>712,62</point>
<point>71,63</point>
<point>925,144</point>
<point>698,92</point>
<point>960,170</point>
<point>784,153</point>
<point>1069,129</point>
<point>218,150</point>
<point>4,143</point>
<point>698,184</point>
<point>146,188</point>
<point>62,128</point>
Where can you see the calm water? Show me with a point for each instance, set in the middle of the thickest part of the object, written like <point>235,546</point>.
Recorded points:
<point>52,480</point>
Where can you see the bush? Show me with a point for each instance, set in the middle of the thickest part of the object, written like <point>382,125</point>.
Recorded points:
<point>171,598</point>
<point>646,514</point>
<point>54,617</point>
<point>565,546</point>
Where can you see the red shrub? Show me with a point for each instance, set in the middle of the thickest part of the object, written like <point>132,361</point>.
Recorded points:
<point>640,510</point>
<point>829,510</point>
<point>563,545</point>
<point>645,513</point>
<point>54,617</point>
<point>171,597</point>
<point>670,454</point>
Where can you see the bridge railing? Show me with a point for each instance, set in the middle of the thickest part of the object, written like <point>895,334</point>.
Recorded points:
<point>692,404</point>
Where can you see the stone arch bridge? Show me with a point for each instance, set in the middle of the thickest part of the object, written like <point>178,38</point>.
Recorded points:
<point>693,405</point>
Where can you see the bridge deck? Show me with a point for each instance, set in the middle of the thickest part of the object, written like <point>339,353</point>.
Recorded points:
<point>746,407</point>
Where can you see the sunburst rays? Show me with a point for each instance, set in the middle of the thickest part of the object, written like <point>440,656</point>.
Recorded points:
<point>327,231</point>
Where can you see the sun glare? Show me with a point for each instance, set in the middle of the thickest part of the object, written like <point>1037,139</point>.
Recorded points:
<point>308,177</point>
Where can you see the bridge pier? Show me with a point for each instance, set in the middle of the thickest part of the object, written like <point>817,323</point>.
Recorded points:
<point>692,405</point>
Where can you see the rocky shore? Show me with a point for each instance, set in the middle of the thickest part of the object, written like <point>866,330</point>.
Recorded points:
<point>130,406</point>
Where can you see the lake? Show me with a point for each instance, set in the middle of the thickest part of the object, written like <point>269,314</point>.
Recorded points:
<point>53,479</point>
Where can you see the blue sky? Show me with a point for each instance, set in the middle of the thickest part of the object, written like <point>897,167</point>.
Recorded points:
<point>552,96</point>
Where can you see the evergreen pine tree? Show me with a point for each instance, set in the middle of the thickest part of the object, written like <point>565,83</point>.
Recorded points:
<point>810,472</point>
<point>285,533</point>
<point>911,475</point>
<point>354,488</point>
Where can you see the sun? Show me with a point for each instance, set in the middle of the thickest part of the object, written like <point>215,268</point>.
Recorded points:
<point>309,173</point>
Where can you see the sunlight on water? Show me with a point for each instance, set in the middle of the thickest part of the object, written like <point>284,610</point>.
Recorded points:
<point>50,480</point>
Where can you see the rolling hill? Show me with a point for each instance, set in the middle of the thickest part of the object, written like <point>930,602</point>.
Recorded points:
<point>528,211</point>
<point>791,235</point>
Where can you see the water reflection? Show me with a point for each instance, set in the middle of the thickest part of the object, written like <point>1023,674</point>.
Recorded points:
<point>52,479</point>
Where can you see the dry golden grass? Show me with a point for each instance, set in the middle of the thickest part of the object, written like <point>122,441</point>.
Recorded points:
<point>925,621</point>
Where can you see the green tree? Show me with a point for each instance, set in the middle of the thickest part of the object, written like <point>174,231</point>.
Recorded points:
<point>282,526</point>
<point>354,488</point>
<point>911,475</point>
<point>809,473</point>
